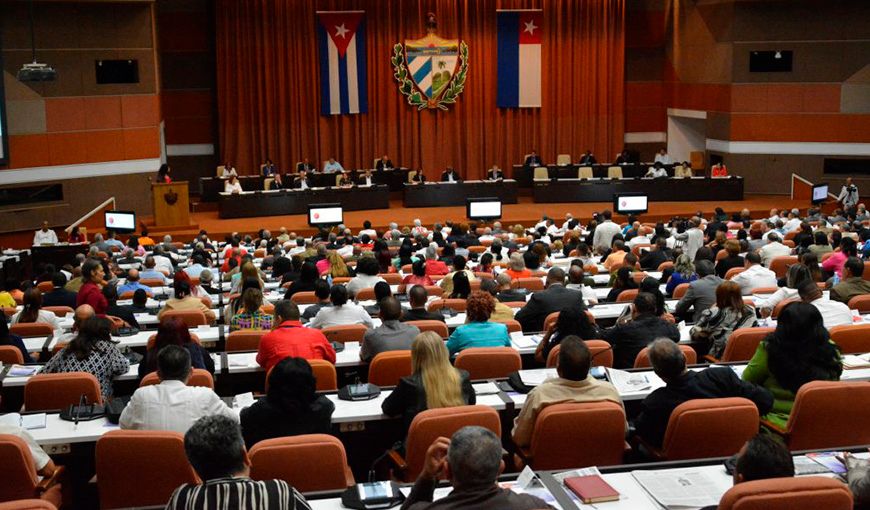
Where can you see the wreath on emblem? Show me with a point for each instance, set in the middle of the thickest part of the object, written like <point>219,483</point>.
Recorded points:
<point>413,94</point>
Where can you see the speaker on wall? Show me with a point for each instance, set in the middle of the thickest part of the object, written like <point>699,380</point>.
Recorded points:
<point>117,71</point>
<point>770,61</point>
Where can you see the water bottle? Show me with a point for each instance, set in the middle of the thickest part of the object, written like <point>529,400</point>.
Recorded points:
<point>835,280</point>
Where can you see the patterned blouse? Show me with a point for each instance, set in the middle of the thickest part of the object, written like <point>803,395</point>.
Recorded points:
<point>256,320</point>
<point>105,363</point>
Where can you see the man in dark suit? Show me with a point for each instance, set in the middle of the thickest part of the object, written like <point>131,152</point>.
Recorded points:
<point>417,297</point>
<point>654,258</point>
<point>554,299</point>
<point>494,174</point>
<point>533,159</point>
<point>58,295</point>
<point>367,179</point>
<point>630,336</point>
<point>304,165</point>
<point>384,163</point>
<point>701,294</point>
<point>301,182</point>
<point>588,158</point>
<point>669,363</point>
<point>450,175</point>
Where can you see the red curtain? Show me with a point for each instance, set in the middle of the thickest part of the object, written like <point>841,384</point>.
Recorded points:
<point>269,92</point>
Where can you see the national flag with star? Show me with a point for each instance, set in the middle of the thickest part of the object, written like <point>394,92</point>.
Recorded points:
<point>341,37</point>
<point>519,59</point>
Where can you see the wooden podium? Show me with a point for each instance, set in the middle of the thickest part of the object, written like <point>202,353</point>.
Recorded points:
<point>171,204</point>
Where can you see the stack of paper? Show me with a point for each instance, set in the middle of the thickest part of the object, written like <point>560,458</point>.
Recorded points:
<point>23,370</point>
<point>26,421</point>
<point>524,342</point>
<point>685,489</point>
<point>487,388</point>
<point>537,376</point>
<point>628,382</point>
<point>853,361</point>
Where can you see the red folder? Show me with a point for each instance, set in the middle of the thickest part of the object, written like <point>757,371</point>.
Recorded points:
<point>591,489</point>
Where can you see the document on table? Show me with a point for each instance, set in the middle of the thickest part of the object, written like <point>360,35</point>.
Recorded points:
<point>537,376</point>
<point>628,382</point>
<point>524,342</point>
<point>853,361</point>
<point>23,370</point>
<point>680,489</point>
<point>25,421</point>
<point>487,388</point>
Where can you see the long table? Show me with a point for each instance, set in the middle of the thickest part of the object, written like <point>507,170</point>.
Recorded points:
<point>437,194</point>
<point>662,190</point>
<point>525,174</point>
<point>282,202</point>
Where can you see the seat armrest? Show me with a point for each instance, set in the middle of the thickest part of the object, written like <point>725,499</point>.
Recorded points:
<point>398,462</point>
<point>711,359</point>
<point>647,449</point>
<point>49,481</point>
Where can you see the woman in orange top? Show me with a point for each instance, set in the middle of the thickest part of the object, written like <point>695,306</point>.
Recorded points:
<point>517,267</point>
<point>719,170</point>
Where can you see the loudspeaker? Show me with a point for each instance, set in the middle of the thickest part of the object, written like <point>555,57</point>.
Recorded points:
<point>117,71</point>
<point>770,61</point>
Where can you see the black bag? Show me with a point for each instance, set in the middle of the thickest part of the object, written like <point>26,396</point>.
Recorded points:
<point>115,408</point>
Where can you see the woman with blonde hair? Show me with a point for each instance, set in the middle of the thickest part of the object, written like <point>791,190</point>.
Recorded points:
<point>337,266</point>
<point>248,270</point>
<point>434,382</point>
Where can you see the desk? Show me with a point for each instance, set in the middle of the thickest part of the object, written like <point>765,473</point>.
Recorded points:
<point>438,194</point>
<point>658,190</point>
<point>283,202</point>
<point>525,175</point>
<point>211,187</point>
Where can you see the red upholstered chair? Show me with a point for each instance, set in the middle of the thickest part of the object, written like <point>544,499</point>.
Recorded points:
<point>459,305</point>
<point>31,329</point>
<point>434,290</point>
<point>577,435</point>
<point>10,355</point>
<point>59,311</point>
<point>319,462</point>
<point>436,326</point>
<point>860,303</point>
<point>388,367</point>
<point>803,493</point>
<point>779,265</point>
<point>709,427</point>
<point>432,424</point>
<point>852,339</point>
<point>665,265</point>
<point>190,318</point>
<point>366,294</point>
<point>152,282</point>
<point>198,377</point>
<point>742,344</point>
<point>734,271</point>
<point>825,415</point>
<point>348,333</point>
<point>27,504</point>
<point>627,296</point>
<point>680,290</point>
<point>489,362</point>
<point>324,372</point>
<point>340,279</point>
<point>642,359</point>
<point>18,473</point>
<point>151,460</point>
<point>304,298</point>
<point>605,359</point>
<point>764,290</point>
<point>45,392</point>
<point>44,287</point>
<point>780,306</point>
<point>391,278</point>
<point>512,325</point>
<point>244,340</point>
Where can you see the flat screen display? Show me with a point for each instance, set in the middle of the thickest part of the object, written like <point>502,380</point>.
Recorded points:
<point>121,221</point>
<point>820,193</point>
<point>630,203</point>
<point>325,214</point>
<point>483,208</point>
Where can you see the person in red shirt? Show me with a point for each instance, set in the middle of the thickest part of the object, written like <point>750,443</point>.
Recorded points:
<point>433,265</point>
<point>163,174</point>
<point>91,291</point>
<point>719,170</point>
<point>291,339</point>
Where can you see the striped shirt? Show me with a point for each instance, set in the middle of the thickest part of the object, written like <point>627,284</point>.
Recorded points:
<point>256,320</point>
<point>237,493</point>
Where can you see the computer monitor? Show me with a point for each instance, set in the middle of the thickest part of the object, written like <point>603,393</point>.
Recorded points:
<point>483,208</point>
<point>121,221</point>
<point>820,193</point>
<point>325,214</point>
<point>630,203</point>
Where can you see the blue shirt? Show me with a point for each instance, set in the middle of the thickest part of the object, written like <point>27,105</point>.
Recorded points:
<point>149,274</point>
<point>478,334</point>
<point>677,279</point>
<point>194,270</point>
<point>133,287</point>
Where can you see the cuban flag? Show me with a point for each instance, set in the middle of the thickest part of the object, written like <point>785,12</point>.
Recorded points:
<point>519,59</point>
<point>342,40</point>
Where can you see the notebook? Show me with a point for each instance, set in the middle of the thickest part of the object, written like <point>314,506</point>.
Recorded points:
<point>591,489</point>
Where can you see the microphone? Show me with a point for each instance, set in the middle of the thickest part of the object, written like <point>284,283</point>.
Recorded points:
<point>82,401</point>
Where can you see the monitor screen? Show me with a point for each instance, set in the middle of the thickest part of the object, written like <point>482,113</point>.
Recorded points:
<point>630,203</point>
<point>325,214</point>
<point>121,221</point>
<point>483,208</point>
<point>820,193</point>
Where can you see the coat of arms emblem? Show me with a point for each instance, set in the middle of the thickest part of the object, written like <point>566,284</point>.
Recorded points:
<point>431,71</point>
<point>171,197</point>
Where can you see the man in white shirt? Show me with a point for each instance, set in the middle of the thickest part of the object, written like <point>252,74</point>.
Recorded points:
<point>774,215</point>
<point>341,313</point>
<point>755,275</point>
<point>44,235</point>
<point>605,231</point>
<point>663,157</point>
<point>848,195</point>
<point>367,230</point>
<point>332,166</point>
<point>693,238</point>
<point>833,313</point>
<point>641,238</point>
<point>568,218</point>
<point>774,248</point>
<point>656,171</point>
<point>367,179</point>
<point>161,261</point>
<point>793,222</point>
<point>172,404</point>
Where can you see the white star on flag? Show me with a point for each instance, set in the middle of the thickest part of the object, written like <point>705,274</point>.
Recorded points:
<point>530,27</point>
<point>340,31</point>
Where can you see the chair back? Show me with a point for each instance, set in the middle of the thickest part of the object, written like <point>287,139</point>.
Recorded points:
<point>319,462</point>
<point>541,173</point>
<point>10,355</point>
<point>563,159</point>
<point>764,290</point>
<point>346,333</point>
<point>391,278</point>
<point>743,342</point>
<point>152,282</point>
<point>600,350</point>
<point>17,470</point>
<point>150,459</point>
<point>198,377</point>
<point>614,172</point>
<point>388,367</point>
<point>513,326</point>
<point>860,303</point>
<point>574,435</point>
<point>709,427</point>
<point>781,305</point>
<point>640,246</point>
<point>627,296</point>
<point>803,493</point>
<point>48,392</point>
<point>433,325</point>
<point>324,373</point>
<point>31,329</point>
<point>304,298</point>
<point>665,265</point>
<point>411,175</point>
<point>459,305</point>
<point>28,504</point>
<point>680,290</point>
<point>642,359</point>
<point>779,265</point>
<point>584,172</point>
<point>852,339</point>
<point>533,284</point>
<point>489,362</point>
<point>431,424</point>
<point>59,311</point>
<point>191,318</point>
<point>366,294</point>
<point>826,414</point>
<point>244,340</point>
<point>434,290</point>
<point>734,271</point>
